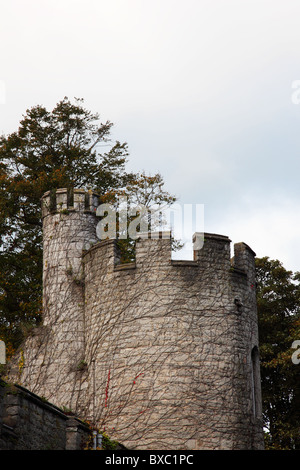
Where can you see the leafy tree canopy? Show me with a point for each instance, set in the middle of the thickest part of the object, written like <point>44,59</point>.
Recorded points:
<point>67,147</point>
<point>278,298</point>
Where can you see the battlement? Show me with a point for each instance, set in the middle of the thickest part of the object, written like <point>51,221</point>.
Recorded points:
<point>211,251</point>
<point>214,252</point>
<point>65,200</point>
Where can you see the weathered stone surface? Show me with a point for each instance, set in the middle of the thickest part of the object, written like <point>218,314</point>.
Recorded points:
<point>27,422</point>
<point>159,352</point>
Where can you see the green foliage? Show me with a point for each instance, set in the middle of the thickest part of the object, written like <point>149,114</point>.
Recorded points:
<point>278,298</point>
<point>50,150</point>
<point>108,443</point>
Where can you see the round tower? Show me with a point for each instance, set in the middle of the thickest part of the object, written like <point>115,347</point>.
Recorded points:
<point>69,228</point>
<point>160,353</point>
<point>50,363</point>
<point>171,346</point>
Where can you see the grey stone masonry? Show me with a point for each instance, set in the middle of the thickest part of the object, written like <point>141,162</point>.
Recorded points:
<point>28,422</point>
<point>160,354</point>
<point>54,354</point>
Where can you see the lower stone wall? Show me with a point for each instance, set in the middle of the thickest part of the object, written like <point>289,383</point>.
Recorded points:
<point>27,422</point>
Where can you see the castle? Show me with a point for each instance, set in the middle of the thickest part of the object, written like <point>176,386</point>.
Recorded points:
<point>161,354</point>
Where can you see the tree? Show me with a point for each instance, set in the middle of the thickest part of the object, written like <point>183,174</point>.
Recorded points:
<point>51,149</point>
<point>278,296</point>
<point>148,200</point>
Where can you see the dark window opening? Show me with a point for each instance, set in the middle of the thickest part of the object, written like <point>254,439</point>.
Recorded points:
<point>255,381</point>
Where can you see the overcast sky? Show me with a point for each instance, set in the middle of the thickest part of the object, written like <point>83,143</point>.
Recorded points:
<point>202,91</point>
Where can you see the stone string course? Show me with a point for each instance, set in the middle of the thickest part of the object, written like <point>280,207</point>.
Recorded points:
<point>161,354</point>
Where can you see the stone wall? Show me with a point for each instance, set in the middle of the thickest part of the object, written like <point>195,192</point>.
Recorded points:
<point>28,422</point>
<point>169,344</point>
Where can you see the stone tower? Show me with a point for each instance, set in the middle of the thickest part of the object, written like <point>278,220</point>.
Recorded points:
<point>162,354</point>
<point>48,362</point>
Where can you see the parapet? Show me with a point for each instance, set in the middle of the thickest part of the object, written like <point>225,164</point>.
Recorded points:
<point>68,199</point>
<point>154,251</point>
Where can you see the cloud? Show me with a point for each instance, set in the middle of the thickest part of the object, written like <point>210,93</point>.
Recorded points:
<point>271,228</point>
<point>201,91</point>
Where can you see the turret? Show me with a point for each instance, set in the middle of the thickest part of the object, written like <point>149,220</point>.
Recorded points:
<point>69,227</point>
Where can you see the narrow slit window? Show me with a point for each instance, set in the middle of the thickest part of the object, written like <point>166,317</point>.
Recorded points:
<point>255,380</point>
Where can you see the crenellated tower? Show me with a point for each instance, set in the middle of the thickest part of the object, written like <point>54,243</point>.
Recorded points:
<point>163,354</point>
<point>49,362</point>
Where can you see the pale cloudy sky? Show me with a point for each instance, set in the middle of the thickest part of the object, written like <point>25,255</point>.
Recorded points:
<point>202,91</point>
